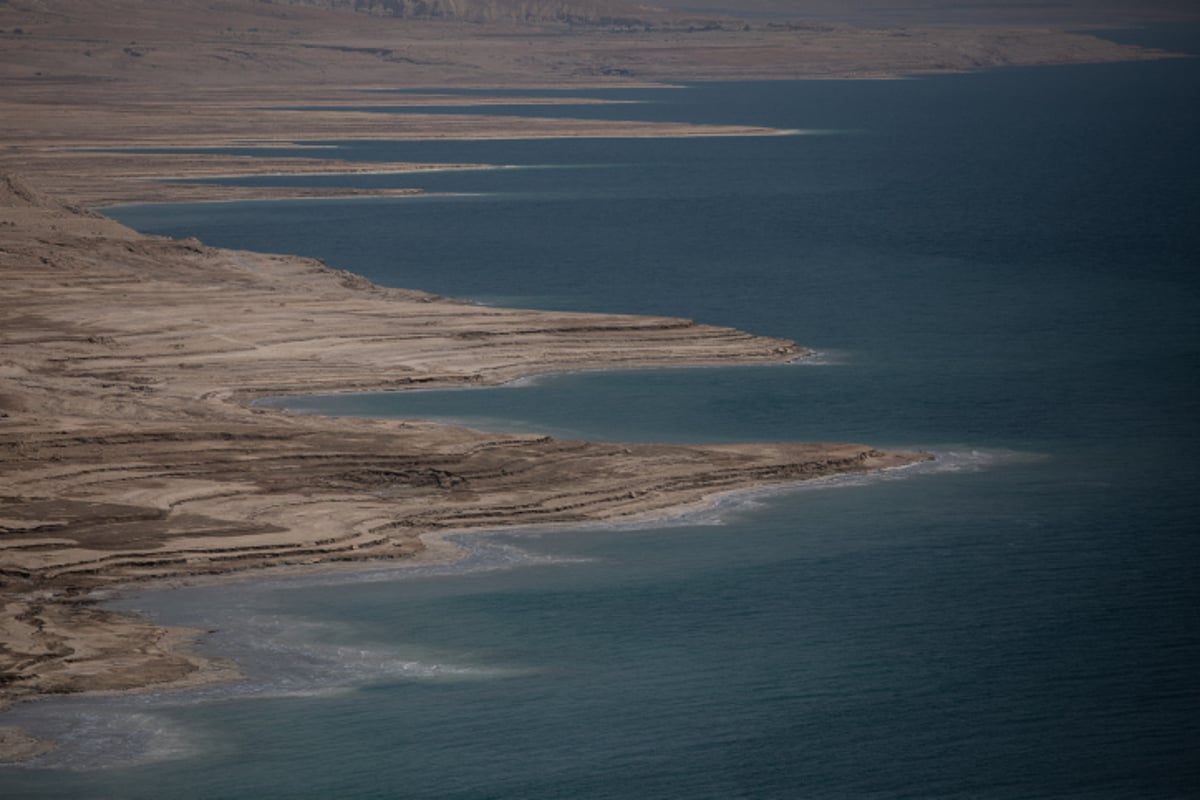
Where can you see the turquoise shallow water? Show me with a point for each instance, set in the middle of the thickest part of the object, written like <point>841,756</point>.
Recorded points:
<point>1000,267</point>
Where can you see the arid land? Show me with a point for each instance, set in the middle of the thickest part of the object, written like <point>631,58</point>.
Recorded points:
<point>128,450</point>
<point>85,82</point>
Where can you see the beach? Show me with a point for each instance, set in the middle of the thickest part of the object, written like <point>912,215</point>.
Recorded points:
<point>97,98</point>
<point>131,451</point>
<point>132,454</point>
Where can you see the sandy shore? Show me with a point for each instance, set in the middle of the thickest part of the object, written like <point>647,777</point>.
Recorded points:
<point>128,452</point>
<point>93,152</point>
<point>83,83</point>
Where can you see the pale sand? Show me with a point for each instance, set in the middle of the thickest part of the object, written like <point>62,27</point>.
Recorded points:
<point>128,453</point>
<point>157,74</point>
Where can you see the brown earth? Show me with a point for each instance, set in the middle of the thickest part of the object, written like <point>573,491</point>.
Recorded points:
<point>128,453</point>
<point>127,450</point>
<point>88,83</point>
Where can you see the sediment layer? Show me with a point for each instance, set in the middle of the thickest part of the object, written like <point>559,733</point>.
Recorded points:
<point>128,451</point>
<point>81,78</point>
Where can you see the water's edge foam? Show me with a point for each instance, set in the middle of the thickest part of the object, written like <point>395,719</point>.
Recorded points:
<point>283,657</point>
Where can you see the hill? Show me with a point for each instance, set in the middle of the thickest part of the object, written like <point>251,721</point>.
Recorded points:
<point>588,12</point>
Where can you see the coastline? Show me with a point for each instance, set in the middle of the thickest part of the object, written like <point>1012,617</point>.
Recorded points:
<point>131,455</point>
<point>77,110</point>
<point>445,552</point>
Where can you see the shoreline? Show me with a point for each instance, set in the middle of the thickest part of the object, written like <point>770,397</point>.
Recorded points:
<point>132,457</point>
<point>448,552</point>
<point>129,452</point>
<point>444,552</point>
<point>195,80</point>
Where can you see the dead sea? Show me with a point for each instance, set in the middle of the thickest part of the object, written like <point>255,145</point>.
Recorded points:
<point>1016,625</point>
<point>1022,603</point>
<point>131,454</point>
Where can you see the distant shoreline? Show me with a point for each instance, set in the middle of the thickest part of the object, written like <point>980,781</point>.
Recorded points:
<point>131,456</point>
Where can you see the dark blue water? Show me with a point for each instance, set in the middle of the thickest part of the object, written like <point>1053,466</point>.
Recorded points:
<point>1000,267</point>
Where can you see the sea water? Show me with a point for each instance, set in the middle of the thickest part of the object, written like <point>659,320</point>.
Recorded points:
<point>998,267</point>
